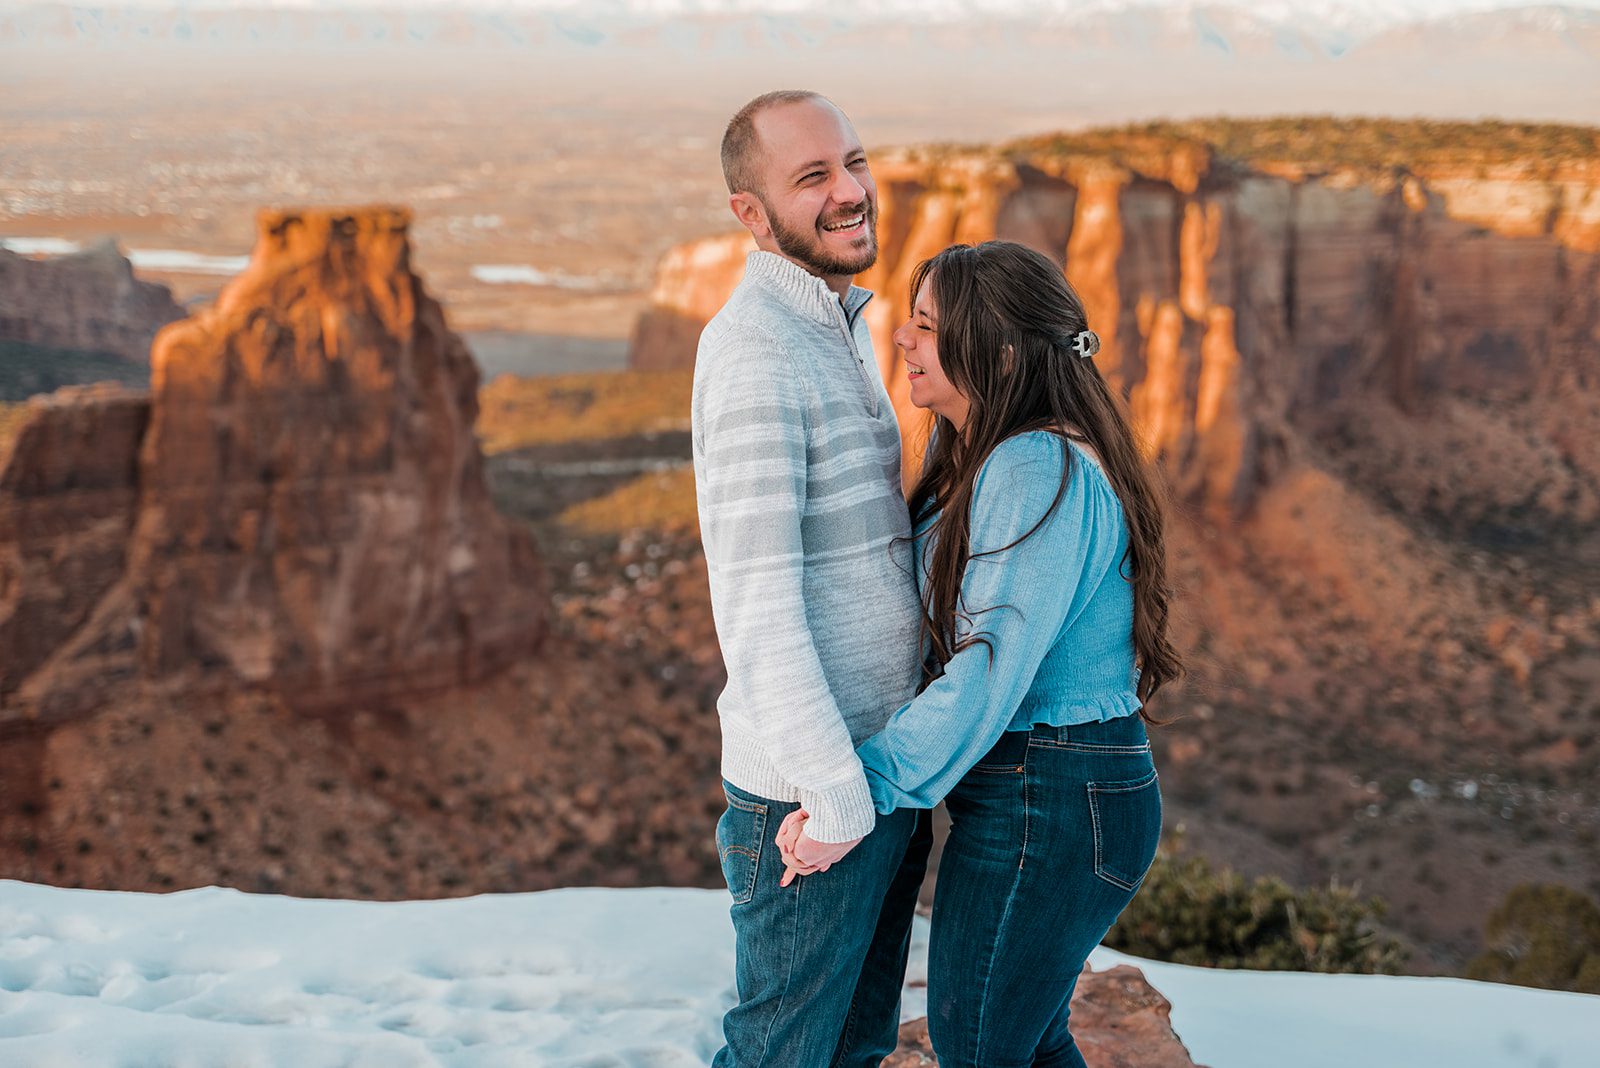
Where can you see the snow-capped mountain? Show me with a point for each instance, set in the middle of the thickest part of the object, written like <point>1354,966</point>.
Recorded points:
<point>1357,17</point>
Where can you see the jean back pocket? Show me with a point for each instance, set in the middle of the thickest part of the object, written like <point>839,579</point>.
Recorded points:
<point>1127,828</point>
<point>1008,756</point>
<point>741,833</point>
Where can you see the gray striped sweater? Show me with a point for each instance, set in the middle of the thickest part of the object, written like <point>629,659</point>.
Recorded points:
<point>797,474</point>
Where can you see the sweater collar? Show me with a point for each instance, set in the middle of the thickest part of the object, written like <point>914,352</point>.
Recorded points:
<point>800,289</point>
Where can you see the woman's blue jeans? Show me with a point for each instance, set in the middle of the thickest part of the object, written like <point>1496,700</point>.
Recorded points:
<point>1050,836</point>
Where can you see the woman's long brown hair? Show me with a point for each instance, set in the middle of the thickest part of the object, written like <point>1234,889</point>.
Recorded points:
<point>1005,324</point>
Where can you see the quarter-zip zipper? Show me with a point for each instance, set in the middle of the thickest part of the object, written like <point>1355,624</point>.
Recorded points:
<point>842,320</point>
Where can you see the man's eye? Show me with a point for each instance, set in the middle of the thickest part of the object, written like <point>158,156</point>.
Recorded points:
<point>813,174</point>
<point>862,162</point>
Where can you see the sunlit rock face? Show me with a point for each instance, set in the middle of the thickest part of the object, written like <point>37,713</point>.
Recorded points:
<point>299,505</point>
<point>1118,1021</point>
<point>1248,305</point>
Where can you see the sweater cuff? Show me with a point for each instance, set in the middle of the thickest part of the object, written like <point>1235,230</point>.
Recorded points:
<point>840,814</point>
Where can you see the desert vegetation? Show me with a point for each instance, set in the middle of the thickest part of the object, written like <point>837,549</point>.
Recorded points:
<point>27,369</point>
<point>1335,142</point>
<point>1189,912</point>
<point>1542,935</point>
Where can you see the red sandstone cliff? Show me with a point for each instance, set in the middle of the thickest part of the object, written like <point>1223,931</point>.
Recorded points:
<point>1372,374</point>
<point>87,302</point>
<point>1238,299</point>
<point>299,504</point>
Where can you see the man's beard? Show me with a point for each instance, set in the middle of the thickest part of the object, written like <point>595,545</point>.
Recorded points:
<point>806,249</point>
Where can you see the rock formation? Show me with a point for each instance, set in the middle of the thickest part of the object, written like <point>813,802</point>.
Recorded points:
<point>1366,354</point>
<point>1118,1021</point>
<point>1237,298</point>
<point>86,302</point>
<point>691,283</point>
<point>69,493</point>
<point>299,505</point>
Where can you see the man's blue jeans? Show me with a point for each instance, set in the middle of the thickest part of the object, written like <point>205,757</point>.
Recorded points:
<point>1050,835</point>
<point>821,961</point>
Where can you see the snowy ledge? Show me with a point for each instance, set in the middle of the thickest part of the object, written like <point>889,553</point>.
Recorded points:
<point>592,978</point>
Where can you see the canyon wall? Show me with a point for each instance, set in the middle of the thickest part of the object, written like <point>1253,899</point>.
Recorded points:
<point>1240,303</point>
<point>299,504</point>
<point>89,301</point>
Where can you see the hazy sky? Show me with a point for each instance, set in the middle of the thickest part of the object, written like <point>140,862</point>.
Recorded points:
<point>1384,9</point>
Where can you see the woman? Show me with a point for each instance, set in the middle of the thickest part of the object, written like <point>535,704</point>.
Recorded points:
<point>1038,536</point>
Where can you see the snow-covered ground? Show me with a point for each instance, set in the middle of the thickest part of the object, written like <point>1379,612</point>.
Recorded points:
<point>595,979</point>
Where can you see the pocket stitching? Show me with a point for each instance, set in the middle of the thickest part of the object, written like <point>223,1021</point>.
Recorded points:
<point>999,769</point>
<point>759,812</point>
<point>747,806</point>
<point>1095,790</point>
<point>1123,786</point>
<point>1094,747</point>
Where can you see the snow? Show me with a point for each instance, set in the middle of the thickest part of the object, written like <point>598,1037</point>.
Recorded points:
<point>186,262</point>
<point>502,274</point>
<point>1243,1019</point>
<point>594,978</point>
<point>166,259</point>
<point>215,976</point>
<point>40,246</point>
<point>151,259</point>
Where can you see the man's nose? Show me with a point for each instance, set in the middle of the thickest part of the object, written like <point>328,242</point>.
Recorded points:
<point>846,190</point>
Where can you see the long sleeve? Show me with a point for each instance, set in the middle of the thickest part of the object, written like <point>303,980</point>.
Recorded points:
<point>1033,590</point>
<point>752,484</point>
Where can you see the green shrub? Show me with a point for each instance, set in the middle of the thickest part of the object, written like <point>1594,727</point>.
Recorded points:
<point>1545,936</point>
<point>1189,913</point>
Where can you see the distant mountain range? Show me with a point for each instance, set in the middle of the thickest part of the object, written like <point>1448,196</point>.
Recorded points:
<point>1360,14</point>
<point>1029,66</point>
<point>1329,28</point>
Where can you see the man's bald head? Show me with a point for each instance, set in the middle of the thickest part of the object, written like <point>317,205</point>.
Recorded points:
<point>741,146</point>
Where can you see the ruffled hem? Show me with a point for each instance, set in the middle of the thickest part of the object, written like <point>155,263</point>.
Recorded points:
<point>1046,711</point>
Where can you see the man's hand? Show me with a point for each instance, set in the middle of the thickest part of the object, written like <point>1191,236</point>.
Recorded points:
<point>801,854</point>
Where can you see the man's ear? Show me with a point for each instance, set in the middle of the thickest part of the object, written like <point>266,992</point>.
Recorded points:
<point>747,208</point>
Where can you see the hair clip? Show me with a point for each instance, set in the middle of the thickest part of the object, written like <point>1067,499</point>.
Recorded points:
<point>1086,344</point>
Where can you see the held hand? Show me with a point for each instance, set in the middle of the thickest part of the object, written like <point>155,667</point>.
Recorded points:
<point>803,855</point>
<point>788,835</point>
<point>821,855</point>
<point>789,829</point>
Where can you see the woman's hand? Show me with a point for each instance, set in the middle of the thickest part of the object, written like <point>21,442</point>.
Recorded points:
<point>802,855</point>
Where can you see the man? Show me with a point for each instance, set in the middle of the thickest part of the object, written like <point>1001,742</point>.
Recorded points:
<point>797,474</point>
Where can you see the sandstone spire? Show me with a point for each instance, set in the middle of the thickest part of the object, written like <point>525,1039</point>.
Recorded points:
<point>310,513</point>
